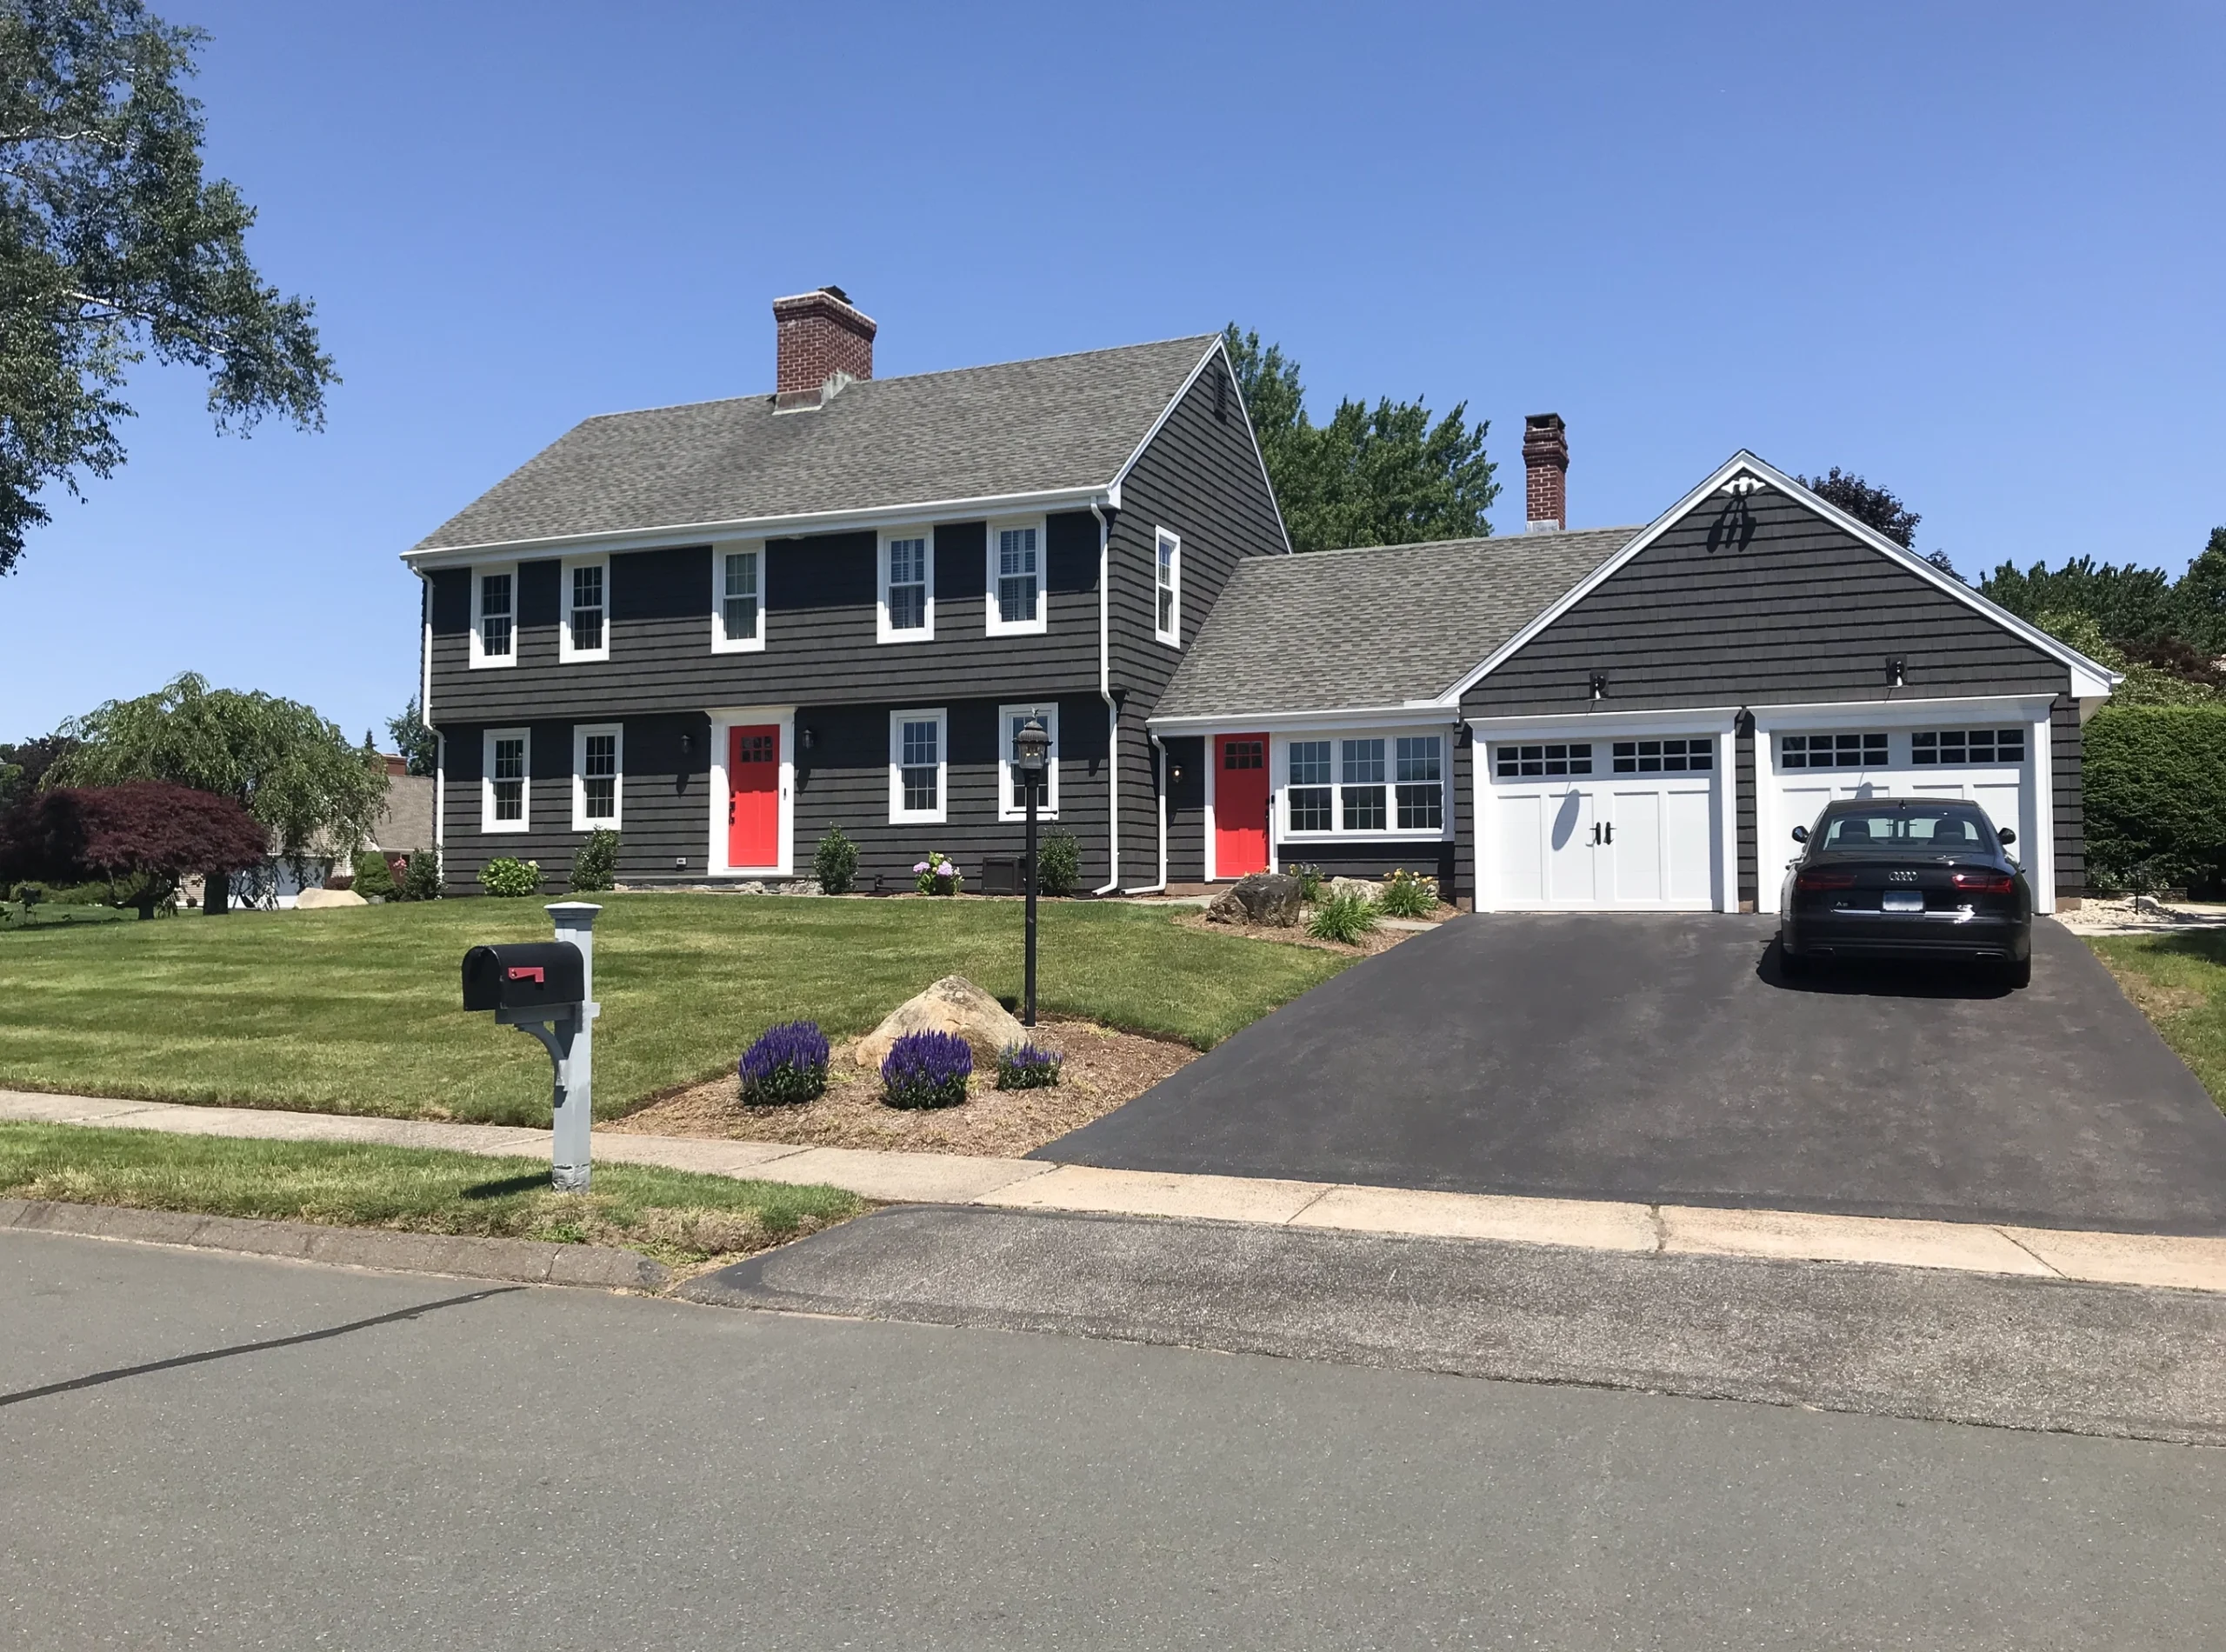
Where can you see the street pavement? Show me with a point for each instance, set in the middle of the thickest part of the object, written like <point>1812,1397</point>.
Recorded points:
<point>207,1450</point>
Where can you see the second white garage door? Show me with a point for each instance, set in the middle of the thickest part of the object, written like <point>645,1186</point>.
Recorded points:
<point>1604,825</point>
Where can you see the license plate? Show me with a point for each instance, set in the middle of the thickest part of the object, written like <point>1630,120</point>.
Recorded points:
<point>1903,900</point>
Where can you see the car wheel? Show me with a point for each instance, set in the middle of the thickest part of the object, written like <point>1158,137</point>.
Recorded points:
<point>2018,973</point>
<point>1790,961</point>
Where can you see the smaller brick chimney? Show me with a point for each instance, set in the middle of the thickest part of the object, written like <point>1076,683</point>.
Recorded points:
<point>1545,466</point>
<point>819,336</point>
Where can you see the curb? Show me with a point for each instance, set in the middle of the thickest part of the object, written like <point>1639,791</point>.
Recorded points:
<point>524,1262</point>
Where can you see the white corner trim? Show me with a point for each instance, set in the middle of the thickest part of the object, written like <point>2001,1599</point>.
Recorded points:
<point>722,643</point>
<point>568,647</point>
<point>2087,675</point>
<point>925,631</point>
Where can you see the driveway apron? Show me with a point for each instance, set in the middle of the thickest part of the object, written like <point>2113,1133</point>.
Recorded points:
<point>1664,1059</point>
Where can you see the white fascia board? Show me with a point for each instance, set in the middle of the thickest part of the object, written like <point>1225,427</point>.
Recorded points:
<point>1823,714</point>
<point>1374,717</point>
<point>1218,347</point>
<point>1703,719</point>
<point>2088,677</point>
<point>926,513</point>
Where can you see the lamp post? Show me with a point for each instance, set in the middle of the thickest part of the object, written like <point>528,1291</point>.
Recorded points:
<point>1031,747</point>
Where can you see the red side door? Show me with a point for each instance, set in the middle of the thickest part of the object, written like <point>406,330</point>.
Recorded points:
<point>754,796</point>
<point>1240,805</point>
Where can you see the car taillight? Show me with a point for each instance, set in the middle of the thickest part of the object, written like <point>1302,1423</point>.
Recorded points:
<point>1983,882</point>
<point>1824,881</point>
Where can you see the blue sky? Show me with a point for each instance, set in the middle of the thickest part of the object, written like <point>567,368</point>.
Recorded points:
<point>1970,251</point>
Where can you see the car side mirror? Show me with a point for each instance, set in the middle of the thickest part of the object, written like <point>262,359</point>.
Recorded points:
<point>1800,834</point>
<point>2007,835</point>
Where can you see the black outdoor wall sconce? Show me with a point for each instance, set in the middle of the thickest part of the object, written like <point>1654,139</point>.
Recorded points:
<point>810,738</point>
<point>1896,670</point>
<point>1599,685</point>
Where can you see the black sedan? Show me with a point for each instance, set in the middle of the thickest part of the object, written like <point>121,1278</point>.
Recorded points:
<point>1914,877</point>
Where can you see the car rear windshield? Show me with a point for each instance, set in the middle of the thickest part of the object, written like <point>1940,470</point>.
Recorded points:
<point>1946,826</point>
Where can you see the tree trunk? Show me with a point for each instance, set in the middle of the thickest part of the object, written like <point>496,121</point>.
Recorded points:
<point>216,894</point>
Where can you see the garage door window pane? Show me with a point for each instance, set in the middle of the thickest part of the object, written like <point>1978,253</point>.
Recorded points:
<point>1832,751</point>
<point>1691,755</point>
<point>1967,746</point>
<point>1520,762</point>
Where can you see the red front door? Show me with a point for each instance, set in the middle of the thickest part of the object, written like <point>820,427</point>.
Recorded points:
<point>754,796</point>
<point>1240,805</point>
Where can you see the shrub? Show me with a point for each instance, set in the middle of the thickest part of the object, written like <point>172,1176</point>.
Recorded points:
<point>595,867</point>
<point>1343,917</point>
<point>421,878</point>
<point>1407,895</point>
<point>787,1064</point>
<point>2156,795</point>
<point>1026,1066</point>
<point>835,862</point>
<point>373,876</point>
<point>937,875</point>
<point>505,877</point>
<point>1310,879</point>
<point>1058,864</point>
<point>927,1069</point>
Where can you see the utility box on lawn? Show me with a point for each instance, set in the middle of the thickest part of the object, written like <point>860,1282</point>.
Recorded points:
<point>1004,874</point>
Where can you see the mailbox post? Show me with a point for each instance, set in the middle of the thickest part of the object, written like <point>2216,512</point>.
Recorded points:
<point>547,988</point>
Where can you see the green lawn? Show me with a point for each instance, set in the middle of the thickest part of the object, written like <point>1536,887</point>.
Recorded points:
<point>53,914</point>
<point>672,1214</point>
<point>356,1010</point>
<point>2179,981</point>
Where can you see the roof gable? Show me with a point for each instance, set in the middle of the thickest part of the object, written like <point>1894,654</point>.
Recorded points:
<point>1040,427</point>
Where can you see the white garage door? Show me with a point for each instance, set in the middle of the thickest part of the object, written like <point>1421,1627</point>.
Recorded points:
<point>1992,767</point>
<point>1607,824</point>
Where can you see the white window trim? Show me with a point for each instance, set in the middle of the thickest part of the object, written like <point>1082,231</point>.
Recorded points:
<point>481,660</point>
<point>994,626</point>
<point>884,631</point>
<point>1048,809</point>
<point>487,820</point>
<point>1173,635</point>
<point>567,650</point>
<point>898,815</point>
<point>580,733</point>
<point>1279,774</point>
<point>721,643</point>
<point>725,721</point>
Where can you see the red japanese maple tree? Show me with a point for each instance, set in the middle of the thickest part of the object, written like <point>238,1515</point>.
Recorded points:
<point>144,836</point>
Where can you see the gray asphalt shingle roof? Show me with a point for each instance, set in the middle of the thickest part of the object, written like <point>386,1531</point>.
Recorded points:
<point>977,432</point>
<point>1330,628</point>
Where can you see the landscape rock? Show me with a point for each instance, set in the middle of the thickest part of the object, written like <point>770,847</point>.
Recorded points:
<point>1368,888</point>
<point>1267,898</point>
<point>953,1004</point>
<point>801,886</point>
<point>315,900</point>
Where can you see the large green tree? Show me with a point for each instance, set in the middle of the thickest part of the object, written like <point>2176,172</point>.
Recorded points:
<point>294,771</point>
<point>113,245</point>
<point>419,746</point>
<point>1389,475</point>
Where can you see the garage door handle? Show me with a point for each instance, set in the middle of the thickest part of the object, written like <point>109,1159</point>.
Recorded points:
<point>1608,833</point>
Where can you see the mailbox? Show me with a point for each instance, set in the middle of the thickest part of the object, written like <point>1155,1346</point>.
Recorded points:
<point>537,974</point>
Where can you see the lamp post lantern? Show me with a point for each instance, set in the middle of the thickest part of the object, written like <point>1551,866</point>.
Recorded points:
<point>1031,747</point>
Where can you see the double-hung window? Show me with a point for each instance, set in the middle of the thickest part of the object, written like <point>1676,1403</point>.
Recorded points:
<point>1015,577</point>
<point>1167,588</point>
<point>918,766</point>
<point>1308,796</point>
<point>495,615</point>
<point>1360,790</point>
<point>1012,789</point>
<point>598,767</point>
<point>1420,783</point>
<point>737,599</point>
<point>586,635</point>
<point>505,802</point>
<point>908,611</point>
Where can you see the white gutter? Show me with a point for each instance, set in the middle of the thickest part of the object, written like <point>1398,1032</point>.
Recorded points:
<point>1105,693</point>
<point>425,654</point>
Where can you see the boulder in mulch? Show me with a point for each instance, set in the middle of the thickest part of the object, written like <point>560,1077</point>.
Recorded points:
<point>1269,898</point>
<point>315,900</point>
<point>953,1004</point>
<point>1367,889</point>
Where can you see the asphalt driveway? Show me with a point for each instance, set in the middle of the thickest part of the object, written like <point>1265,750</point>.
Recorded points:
<point>1664,1059</point>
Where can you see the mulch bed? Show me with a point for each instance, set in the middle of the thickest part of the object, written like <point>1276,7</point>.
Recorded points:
<point>1103,1069</point>
<point>1375,941</point>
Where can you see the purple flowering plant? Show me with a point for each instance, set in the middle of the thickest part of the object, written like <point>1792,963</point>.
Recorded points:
<point>1026,1065</point>
<point>787,1064</point>
<point>927,1069</point>
<point>937,874</point>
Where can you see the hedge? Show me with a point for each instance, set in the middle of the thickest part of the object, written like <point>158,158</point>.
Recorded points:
<point>2154,784</point>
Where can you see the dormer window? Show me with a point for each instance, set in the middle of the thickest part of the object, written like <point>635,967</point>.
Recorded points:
<point>1015,584</point>
<point>587,585</point>
<point>493,616</point>
<point>908,613</point>
<point>737,600</point>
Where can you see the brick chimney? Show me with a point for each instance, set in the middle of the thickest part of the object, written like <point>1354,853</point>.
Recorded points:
<point>821,336</point>
<point>1545,466</point>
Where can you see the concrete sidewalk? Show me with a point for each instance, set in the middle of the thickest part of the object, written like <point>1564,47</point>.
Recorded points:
<point>1026,1184</point>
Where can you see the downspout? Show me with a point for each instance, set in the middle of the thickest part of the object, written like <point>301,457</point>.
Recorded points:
<point>1159,772</point>
<point>1112,711</point>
